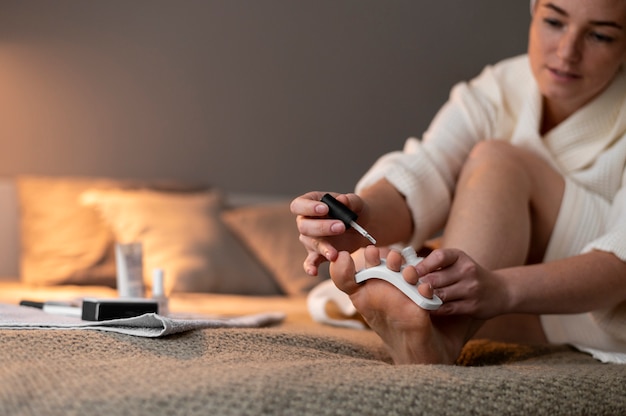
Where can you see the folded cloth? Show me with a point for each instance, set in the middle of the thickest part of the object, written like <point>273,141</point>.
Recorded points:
<point>326,292</point>
<point>148,325</point>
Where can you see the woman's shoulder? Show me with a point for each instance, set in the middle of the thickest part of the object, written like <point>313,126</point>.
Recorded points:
<point>510,72</point>
<point>506,83</point>
<point>519,62</point>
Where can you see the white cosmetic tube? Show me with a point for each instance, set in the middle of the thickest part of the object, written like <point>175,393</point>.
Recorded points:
<point>158,292</point>
<point>129,264</point>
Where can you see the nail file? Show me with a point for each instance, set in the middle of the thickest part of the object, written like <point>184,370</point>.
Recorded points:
<point>55,308</point>
<point>341,212</point>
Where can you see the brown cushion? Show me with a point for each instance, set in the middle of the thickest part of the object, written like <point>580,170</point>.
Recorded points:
<point>269,230</point>
<point>62,241</point>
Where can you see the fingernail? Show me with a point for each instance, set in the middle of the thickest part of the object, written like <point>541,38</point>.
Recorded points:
<point>336,228</point>
<point>320,209</point>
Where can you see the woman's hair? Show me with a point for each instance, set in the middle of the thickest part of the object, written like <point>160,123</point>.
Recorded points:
<point>532,6</point>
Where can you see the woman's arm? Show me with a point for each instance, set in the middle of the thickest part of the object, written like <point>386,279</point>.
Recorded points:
<point>388,217</point>
<point>586,282</point>
<point>582,283</point>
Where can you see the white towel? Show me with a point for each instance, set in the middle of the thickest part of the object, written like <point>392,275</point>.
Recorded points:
<point>325,292</point>
<point>148,325</point>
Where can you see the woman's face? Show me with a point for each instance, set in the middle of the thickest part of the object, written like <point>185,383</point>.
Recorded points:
<point>575,48</point>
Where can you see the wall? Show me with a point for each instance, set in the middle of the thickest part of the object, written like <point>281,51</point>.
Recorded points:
<point>280,96</point>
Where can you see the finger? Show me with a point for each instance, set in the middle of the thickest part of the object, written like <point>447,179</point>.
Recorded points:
<point>436,260</point>
<point>309,205</point>
<point>454,308</point>
<point>441,279</point>
<point>317,227</point>
<point>319,246</point>
<point>352,201</point>
<point>312,262</point>
<point>452,293</point>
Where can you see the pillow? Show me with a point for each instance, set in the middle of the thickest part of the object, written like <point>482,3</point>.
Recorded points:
<point>270,231</point>
<point>62,241</point>
<point>9,230</point>
<point>182,234</point>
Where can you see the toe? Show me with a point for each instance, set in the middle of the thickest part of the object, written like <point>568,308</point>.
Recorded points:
<point>425,290</point>
<point>410,275</point>
<point>372,256</point>
<point>394,261</point>
<point>342,272</point>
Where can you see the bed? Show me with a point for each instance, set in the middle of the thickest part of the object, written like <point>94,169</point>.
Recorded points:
<point>250,265</point>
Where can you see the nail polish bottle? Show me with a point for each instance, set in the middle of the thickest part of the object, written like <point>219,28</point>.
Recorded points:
<point>158,292</point>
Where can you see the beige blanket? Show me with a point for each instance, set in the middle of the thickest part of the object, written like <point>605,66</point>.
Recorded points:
<point>296,368</point>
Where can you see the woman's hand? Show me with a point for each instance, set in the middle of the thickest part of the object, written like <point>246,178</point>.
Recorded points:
<point>324,237</point>
<point>463,285</point>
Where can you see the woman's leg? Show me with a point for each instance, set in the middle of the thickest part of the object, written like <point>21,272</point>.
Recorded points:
<point>504,209</point>
<point>505,206</point>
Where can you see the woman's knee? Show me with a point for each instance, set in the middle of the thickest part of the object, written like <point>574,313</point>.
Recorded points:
<point>497,151</point>
<point>499,165</point>
<point>499,158</point>
<point>503,158</point>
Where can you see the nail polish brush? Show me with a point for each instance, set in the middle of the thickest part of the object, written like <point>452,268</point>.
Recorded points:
<point>341,212</point>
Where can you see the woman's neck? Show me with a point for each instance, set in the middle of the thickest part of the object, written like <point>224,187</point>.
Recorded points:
<point>553,115</point>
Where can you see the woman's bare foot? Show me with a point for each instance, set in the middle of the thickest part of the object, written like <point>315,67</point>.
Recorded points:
<point>410,333</point>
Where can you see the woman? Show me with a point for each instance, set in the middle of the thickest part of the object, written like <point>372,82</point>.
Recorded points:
<point>524,170</point>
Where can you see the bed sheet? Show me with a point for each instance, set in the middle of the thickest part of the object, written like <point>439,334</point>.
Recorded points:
<point>297,367</point>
